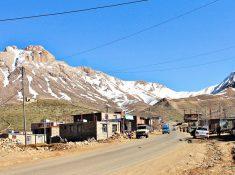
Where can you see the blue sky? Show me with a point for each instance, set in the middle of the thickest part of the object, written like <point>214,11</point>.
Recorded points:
<point>206,30</point>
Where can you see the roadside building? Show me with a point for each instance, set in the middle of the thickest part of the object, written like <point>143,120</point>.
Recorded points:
<point>155,122</point>
<point>47,128</point>
<point>30,138</point>
<point>93,125</point>
<point>192,120</point>
<point>225,124</point>
<point>192,117</point>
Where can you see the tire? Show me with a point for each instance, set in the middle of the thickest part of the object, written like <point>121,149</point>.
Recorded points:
<point>147,136</point>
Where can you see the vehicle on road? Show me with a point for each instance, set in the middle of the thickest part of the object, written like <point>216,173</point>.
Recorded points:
<point>142,131</point>
<point>165,129</point>
<point>202,132</point>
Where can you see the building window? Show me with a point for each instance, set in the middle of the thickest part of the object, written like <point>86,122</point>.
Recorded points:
<point>104,127</point>
<point>114,128</point>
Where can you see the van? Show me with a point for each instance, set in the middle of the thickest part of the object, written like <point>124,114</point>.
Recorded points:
<point>165,129</point>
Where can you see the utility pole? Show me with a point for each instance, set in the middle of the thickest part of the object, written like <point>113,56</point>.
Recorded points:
<point>107,118</point>
<point>225,116</point>
<point>150,118</point>
<point>210,113</point>
<point>23,105</point>
<point>44,127</point>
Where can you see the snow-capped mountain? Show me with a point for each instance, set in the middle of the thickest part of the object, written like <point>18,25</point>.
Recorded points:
<point>229,82</point>
<point>45,77</point>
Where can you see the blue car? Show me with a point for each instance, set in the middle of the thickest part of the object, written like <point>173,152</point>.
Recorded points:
<point>165,129</point>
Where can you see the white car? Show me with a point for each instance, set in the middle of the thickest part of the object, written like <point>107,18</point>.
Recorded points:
<point>142,131</point>
<point>202,132</point>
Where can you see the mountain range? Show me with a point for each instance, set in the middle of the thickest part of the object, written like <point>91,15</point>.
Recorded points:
<point>47,78</point>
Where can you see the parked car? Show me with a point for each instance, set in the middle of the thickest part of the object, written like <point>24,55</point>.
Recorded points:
<point>165,129</point>
<point>202,132</point>
<point>142,131</point>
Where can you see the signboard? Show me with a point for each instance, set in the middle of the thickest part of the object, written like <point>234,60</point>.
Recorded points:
<point>129,117</point>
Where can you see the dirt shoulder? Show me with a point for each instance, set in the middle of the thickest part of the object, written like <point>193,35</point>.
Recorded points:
<point>196,158</point>
<point>217,160</point>
<point>11,155</point>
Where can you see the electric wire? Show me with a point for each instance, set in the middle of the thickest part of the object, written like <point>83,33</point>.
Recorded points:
<point>173,60</point>
<point>71,11</point>
<point>182,67</point>
<point>144,29</point>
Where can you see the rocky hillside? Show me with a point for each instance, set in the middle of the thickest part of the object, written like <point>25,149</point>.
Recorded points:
<point>47,78</point>
<point>229,82</point>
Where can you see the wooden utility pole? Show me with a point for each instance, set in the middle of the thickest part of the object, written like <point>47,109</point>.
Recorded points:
<point>23,106</point>
<point>225,116</point>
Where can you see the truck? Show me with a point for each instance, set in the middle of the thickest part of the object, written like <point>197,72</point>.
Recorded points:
<point>165,129</point>
<point>142,131</point>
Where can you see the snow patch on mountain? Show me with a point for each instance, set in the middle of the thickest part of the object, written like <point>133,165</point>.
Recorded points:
<point>49,89</point>
<point>229,82</point>
<point>31,91</point>
<point>65,96</point>
<point>5,75</point>
<point>19,95</point>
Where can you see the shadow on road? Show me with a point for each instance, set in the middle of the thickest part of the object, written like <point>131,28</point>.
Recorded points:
<point>223,138</point>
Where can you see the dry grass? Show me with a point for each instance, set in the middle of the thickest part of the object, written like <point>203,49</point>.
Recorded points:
<point>50,109</point>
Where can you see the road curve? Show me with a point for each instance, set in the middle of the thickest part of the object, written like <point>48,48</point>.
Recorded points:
<point>103,161</point>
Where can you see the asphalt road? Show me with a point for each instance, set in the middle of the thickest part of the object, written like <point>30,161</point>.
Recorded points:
<point>101,162</point>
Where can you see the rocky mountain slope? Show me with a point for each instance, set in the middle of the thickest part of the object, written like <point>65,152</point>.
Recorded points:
<point>229,82</point>
<point>47,78</point>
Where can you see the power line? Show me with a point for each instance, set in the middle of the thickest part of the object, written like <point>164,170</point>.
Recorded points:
<point>145,29</point>
<point>173,60</point>
<point>8,99</point>
<point>183,67</point>
<point>72,11</point>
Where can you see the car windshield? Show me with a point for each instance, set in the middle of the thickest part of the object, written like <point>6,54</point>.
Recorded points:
<point>200,128</point>
<point>141,127</point>
<point>165,127</point>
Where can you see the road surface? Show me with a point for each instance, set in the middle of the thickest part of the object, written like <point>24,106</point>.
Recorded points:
<point>101,162</point>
